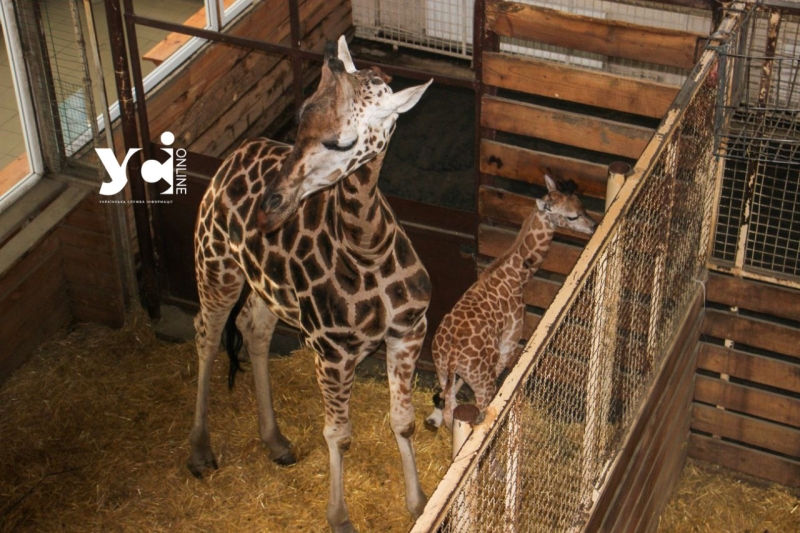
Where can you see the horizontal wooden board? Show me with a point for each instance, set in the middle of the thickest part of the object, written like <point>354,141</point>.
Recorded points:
<point>526,165</point>
<point>40,254</point>
<point>754,296</point>
<point>540,292</point>
<point>753,332</point>
<point>743,459</point>
<point>529,325</point>
<point>511,208</point>
<point>751,367</point>
<point>564,127</point>
<point>494,241</point>
<point>573,84</point>
<point>756,402</point>
<point>32,202</point>
<point>746,429</point>
<point>598,36</point>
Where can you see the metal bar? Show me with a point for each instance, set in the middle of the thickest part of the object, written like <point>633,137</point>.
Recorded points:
<point>297,62</point>
<point>48,75</point>
<point>482,39</point>
<point>751,172</point>
<point>130,137</point>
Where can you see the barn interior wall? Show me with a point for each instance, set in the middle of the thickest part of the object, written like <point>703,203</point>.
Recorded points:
<point>57,265</point>
<point>746,406</point>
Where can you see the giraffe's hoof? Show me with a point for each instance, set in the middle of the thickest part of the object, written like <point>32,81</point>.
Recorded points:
<point>344,527</point>
<point>198,467</point>
<point>430,425</point>
<point>287,459</point>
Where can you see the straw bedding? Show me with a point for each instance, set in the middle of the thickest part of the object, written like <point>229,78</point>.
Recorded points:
<point>94,437</point>
<point>95,428</point>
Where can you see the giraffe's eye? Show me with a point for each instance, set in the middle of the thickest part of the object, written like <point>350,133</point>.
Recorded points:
<point>573,219</point>
<point>334,145</point>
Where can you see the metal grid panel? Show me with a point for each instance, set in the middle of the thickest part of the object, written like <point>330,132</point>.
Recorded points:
<point>66,80</point>
<point>445,26</point>
<point>547,452</point>
<point>758,225</point>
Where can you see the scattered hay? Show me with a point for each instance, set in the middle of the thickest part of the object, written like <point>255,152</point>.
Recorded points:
<point>710,498</point>
<point>95,437</point>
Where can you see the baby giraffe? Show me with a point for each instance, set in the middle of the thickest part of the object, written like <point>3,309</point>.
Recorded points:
<point>481,334</point>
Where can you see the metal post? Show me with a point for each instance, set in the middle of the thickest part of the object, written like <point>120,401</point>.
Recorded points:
<point>129,134</point>
<point>297,62</point>
<point>482,40</point>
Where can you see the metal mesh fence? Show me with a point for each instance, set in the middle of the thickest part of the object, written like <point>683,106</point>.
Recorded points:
<point>54,33</point>
<point>758,225</point>
<point>539,460</point>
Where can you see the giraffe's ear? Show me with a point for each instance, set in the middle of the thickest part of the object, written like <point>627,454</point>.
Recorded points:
<point>344,55</point>
<point>551,183</point>
<point>404,100</point>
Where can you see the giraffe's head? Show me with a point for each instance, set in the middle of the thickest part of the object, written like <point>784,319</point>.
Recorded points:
<point>562,207</point>
<point>345,123</point>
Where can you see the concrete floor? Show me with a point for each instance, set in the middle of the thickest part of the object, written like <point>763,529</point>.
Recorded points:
<point>65,54</point>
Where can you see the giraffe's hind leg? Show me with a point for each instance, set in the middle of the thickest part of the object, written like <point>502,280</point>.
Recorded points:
<point>216,301</point>
<point>401,359</point>
<point>257,324</point>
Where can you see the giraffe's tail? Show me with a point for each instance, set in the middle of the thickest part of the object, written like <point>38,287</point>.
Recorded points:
<point>233,337</point>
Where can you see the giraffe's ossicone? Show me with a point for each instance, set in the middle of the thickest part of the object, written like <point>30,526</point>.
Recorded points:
<point>306,231</point>
<point>480,336</point>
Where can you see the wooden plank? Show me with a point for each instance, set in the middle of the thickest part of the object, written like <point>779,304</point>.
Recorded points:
<point>28,206</point>
<point>511,208</point>
<point>28,237</point>
<point>80,238</point>
<point>80,276</point>
<point>98,260</point>
<point>170,44</point>
<point>18,349</point>
<point>756,402</point>
<point>675,367</point>
<point>540,292</point>
<point>754,296</point>
<point>529,324</point>
<point>753,332</point>
<point>743,459</point>
<point>573,129</point>
<point>40,254</point>
<point>22,306</point>
<point>528,165</point>
<point>573,84</point>
<point>660,460</point>
<point>494,241</point>
<point>752,367</point>
<point>671,48</point>
<point>746,429</point>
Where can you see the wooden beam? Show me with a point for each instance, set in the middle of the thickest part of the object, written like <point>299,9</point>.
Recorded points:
<point>670,48</point>
<point>753,332</point>
<point>745,429</point>
<point>528,165</point>
<point>754,296</point>
<point>756,402</point>
<point>751,367</point>
<point>573,84</point>
<point>572,129</point>
<point>747,460</point>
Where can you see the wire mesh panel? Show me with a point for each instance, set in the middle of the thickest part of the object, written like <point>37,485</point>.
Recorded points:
<point>539,460</point>
<point>54,33</point>
<point>758,225</point>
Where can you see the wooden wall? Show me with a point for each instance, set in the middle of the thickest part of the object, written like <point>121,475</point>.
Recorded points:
<point>746,410</point>
<point>536,114</point>
<point>643,476</point>
<point>57,265</point>
<point>225,93</point>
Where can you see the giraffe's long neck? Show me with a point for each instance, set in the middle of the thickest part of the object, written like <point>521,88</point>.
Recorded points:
<point>362,221</point>
<point>526,255</point>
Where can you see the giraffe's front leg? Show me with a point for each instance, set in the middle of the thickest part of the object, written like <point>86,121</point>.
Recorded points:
<point>335,379</point>
<point>257,324</point>
<point>401,359</point>
<point>215,305</point>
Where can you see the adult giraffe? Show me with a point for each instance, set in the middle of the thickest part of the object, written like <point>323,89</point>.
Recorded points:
<point>337,265</point>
